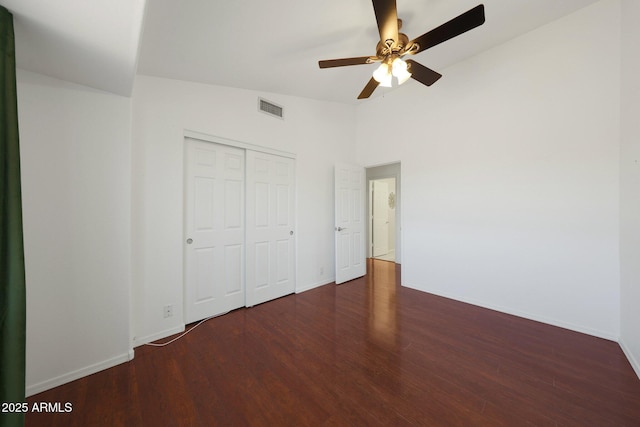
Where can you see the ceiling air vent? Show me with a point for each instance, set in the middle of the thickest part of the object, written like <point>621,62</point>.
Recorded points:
<point>270,108</point>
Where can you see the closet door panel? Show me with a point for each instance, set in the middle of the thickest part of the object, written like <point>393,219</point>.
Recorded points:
<point>270,227</point>
<point>214,229</point>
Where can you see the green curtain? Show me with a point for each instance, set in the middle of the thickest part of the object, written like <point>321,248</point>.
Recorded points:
<point>12,278</point>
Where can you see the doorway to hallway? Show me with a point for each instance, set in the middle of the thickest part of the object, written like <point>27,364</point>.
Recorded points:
<point>384,219</point>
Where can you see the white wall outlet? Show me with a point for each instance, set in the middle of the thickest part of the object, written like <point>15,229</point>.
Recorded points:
<point>168,310</point>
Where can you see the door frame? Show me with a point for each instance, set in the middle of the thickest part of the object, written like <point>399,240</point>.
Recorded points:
<point>233,143</point>
<point>386,170</point>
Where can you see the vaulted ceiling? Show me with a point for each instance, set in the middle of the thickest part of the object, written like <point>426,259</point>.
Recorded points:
<point>93,43</point>
<point>271,46</point>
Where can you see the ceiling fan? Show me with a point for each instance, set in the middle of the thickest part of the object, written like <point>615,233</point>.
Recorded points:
<point>393,45</point>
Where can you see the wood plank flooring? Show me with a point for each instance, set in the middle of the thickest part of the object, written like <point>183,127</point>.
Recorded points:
<point>364,353</point>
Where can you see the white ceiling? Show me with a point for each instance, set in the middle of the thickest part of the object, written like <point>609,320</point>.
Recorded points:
<point>94,43</point>
<point>271,46</point>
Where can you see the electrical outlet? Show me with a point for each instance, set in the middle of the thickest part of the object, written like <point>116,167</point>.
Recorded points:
<point>168,310</point>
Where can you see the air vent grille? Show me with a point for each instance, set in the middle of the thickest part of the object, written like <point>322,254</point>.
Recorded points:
<point>270,108</point>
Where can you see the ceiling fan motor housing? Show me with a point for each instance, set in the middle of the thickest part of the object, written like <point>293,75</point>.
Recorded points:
<point>386,48</point>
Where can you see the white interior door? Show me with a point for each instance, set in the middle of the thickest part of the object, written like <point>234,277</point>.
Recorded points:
<point>350,222</point>
<point>380,229</point>
<point>215,231</point>
<point>270,227</point>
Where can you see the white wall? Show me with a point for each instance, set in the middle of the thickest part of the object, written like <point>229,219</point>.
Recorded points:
<point>319,133</point>
<point>630,185</point>
<point>510,174</point>
<point>76,180</point>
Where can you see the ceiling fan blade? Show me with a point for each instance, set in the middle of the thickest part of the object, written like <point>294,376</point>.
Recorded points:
<point>424,75</point>
<point>368,89</point>
<point>387,18</point>
<point>467,21</point>
<point>329,63</point>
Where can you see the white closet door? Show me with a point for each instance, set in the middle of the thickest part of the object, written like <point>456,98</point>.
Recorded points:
<point>270,216</point>
<point>215,229</point>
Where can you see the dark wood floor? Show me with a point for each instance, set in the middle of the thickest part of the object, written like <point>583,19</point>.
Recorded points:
<point>368,353</point>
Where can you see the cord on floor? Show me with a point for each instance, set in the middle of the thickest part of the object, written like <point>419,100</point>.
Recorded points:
<point>185,332</point>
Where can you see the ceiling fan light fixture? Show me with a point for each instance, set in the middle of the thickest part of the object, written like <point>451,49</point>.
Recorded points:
<point>386,82</point>
<point>393,45</point>
<point>399,69</point>
<point>382,75</point>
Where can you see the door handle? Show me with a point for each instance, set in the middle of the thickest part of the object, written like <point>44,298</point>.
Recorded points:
<point>340,228</point>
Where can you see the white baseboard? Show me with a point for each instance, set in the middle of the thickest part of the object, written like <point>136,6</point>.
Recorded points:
<point>632,360</point>
<point>315,285</point>
<point>524,315</point>
<point>138,341</point>
<point>77,374</point>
